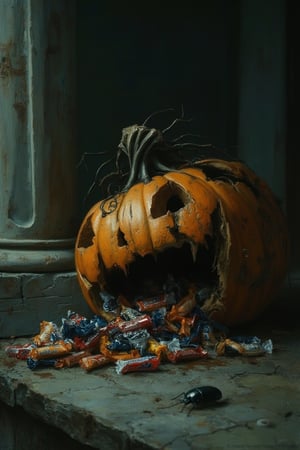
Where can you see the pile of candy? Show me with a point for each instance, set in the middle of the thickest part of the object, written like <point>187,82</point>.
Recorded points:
<point>139,338</point>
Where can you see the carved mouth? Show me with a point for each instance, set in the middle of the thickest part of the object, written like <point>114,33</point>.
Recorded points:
<point>186,263</point>
<point>147,276</point>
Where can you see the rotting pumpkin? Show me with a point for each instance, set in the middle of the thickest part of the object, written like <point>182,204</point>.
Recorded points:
<point>211,221</point>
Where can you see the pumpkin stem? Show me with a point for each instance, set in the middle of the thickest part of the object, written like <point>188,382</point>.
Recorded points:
<point>137,143</point>
<point>144,152</point>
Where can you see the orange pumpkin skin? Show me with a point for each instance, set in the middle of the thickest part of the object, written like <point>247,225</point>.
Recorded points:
<point>237,212</point>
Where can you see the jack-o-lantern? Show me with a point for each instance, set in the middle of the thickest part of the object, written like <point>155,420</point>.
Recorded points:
<point>209,221</point>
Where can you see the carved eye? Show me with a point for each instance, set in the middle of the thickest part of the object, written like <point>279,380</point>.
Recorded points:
<point>170,197</point>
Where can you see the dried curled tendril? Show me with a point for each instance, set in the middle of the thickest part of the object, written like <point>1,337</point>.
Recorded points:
<point>108,205</point>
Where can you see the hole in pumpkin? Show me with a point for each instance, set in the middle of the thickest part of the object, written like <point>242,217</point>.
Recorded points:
<point>87,234</point>
<point>169,197</point>
<point>174,203</point>
<point>121,238</point>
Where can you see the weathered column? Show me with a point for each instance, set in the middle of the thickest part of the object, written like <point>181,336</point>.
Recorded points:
<point>37,161</point>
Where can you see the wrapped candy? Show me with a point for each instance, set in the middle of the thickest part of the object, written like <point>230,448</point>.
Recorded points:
<point>89,343</point>
<point>47,329</point>
<point>228,347</point>
<point>94,361</point>
<point>156,347</point>
<point>40,363</point>
<point>143,364</point>
<point>188,353</point>
<point>77,325</point>
<point>19,351</point>
<point>116,355</point>
<point>183,307</point>
<point>151,304</point>
<point>137,323</point>
<point>71,360</point>
<point>51,351</point>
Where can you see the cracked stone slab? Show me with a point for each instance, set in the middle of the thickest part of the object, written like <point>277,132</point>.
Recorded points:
<point>103,409</point>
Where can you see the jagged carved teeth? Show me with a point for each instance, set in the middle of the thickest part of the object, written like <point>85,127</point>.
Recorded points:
<point>146,275</point>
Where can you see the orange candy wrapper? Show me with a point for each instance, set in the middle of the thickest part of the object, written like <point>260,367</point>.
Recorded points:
<point>71,360</point>
<point>94,361</point>
<point>156,348</point>
<point>104,341</point>
<point>46,329</point>
<point>51,351</point>
<point>234,347</point>
<point>184,307</point>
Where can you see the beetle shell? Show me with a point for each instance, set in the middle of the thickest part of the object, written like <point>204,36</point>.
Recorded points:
<point>203,394</point>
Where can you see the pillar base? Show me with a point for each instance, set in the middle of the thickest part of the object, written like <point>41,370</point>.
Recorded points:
<point>28,298</point>
<point>36,255</point>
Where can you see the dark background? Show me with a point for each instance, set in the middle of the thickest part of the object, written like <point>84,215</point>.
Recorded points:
<point>135,59</point>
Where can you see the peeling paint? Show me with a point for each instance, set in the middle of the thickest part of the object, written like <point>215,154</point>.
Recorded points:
<point>5,67</point>
<point>21,110</point>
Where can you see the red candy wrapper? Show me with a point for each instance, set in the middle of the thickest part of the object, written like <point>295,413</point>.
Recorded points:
<point>88,343</point>
<point>139,322</point>
<point>75,317</point>
<point>186,354</point>
<point>19,351</point>
<point>151,304</point>
<point>143,364</point>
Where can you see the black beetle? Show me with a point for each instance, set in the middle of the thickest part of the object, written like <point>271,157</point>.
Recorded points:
<point>200,396</point>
